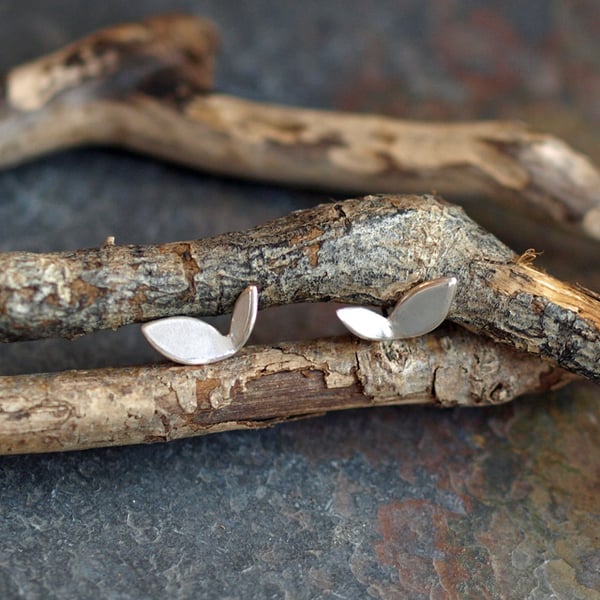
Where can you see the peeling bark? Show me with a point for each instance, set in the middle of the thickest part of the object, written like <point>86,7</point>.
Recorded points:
<point>147,87</point>
<point>261,387</point>
<point>366,251</point>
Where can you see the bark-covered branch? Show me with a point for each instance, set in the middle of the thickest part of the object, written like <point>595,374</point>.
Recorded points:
<point>261,387</point>
<point>147,87</point>
<point>366,251</point>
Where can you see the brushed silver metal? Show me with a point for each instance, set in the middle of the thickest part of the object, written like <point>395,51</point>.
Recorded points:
<point>418,312</point>
<point>243,317</point>
<point>191,341</point>
<point>365,323</point>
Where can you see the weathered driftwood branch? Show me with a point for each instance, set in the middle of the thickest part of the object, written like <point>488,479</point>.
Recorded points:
<point>261,387</point>
<point>365,251</point>
<point>147,87</point>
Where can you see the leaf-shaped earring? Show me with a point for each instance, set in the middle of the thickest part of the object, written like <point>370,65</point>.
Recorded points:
<point>190,341</point>
<point>420,311</point>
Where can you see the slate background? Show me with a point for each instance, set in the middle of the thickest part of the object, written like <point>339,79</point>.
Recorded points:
<point>387,503</point>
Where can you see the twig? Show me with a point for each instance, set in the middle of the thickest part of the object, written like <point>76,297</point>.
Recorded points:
<point>260,387</point>
<point>365,251</point>
<point>147,87</point>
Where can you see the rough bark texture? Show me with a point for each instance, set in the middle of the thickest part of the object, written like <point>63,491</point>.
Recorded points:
<point>146,87</point>
<point>365,251</point>
<point>260,387</point>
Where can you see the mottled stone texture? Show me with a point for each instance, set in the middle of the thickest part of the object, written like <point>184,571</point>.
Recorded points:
<point>384,503</point>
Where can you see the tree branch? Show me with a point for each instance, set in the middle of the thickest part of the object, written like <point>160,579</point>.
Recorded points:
<point>365,251</point>
<point>261,387</point>
<point>147,87</point>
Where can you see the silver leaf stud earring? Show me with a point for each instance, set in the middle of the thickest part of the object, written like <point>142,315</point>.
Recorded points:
<point>418,312</point>
<point>190,341</point>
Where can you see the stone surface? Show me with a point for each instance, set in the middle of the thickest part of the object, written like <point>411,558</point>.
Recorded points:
<point>387,503</point>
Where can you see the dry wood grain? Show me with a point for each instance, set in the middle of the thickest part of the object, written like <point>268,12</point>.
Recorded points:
<point>260,387</point>
<point>364,251</point>
<point>147,87</point>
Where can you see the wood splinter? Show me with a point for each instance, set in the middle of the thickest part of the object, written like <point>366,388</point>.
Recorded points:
<point>149,87</point>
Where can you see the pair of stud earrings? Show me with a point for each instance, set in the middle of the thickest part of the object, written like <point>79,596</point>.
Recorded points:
<point>190,341</point>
